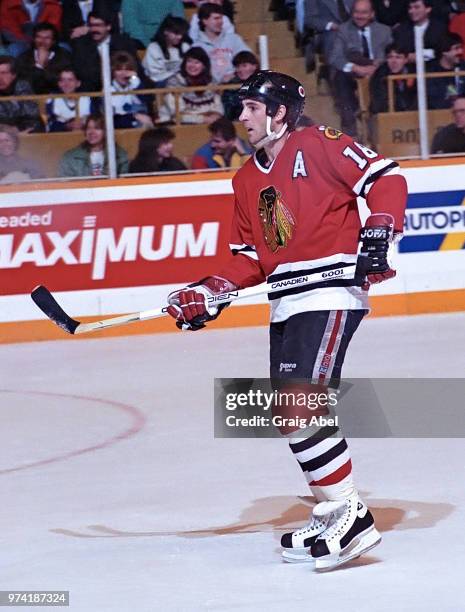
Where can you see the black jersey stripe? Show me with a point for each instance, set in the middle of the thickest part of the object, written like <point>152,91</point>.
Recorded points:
<point>318,462</point>
<point>322,434</point>
<point>376,175</point>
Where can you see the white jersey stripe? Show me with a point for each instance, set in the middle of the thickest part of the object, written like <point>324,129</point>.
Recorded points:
<point>332,466</point>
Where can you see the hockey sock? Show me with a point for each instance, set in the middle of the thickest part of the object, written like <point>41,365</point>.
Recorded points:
<point>325,461</point>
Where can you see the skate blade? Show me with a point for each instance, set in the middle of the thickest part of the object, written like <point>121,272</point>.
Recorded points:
<point>367,541</point>
<point>290,555</point>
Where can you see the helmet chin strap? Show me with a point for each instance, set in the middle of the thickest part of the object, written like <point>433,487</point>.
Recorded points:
<point>270,134</point>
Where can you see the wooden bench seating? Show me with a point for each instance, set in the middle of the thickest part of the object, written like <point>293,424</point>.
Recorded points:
<point>47,149</point>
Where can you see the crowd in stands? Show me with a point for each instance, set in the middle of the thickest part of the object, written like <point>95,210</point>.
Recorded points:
<point>53,48</point>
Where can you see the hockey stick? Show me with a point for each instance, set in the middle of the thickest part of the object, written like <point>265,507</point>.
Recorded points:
<point>50,307</point>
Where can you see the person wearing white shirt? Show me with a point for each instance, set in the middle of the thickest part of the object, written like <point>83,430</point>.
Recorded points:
<point>164,55</point>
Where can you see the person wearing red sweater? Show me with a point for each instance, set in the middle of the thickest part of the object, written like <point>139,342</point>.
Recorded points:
<point>18,18</point>
<point>296,213</point>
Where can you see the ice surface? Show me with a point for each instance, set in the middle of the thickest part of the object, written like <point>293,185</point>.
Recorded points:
<point>114,488</point>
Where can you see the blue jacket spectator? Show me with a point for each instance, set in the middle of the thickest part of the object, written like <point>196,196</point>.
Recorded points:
<point>142,18</point>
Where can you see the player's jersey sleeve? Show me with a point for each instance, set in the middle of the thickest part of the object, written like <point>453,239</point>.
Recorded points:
<point>366,173</point>
<point>244,268</point>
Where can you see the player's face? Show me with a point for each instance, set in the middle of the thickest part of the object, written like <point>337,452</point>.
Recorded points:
<point>253,117</point>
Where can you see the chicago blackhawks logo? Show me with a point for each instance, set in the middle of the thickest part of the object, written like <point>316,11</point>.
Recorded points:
<point>330,133</point>
<point>277,221</point>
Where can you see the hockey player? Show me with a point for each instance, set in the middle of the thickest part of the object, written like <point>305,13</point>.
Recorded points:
<point>296,213</point>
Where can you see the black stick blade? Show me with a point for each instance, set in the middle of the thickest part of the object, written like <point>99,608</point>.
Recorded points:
<point>50,307</point>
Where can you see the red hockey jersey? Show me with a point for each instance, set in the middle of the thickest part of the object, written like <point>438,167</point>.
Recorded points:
<point>301,214</point>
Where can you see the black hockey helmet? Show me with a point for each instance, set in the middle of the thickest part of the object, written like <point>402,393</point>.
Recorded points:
<point>273,89</point>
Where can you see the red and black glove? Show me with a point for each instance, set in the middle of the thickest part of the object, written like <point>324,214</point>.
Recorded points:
<point>190,307</point>
<point>377,238</point>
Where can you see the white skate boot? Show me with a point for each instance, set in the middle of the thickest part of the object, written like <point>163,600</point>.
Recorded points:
<point>351,532</point>
<point>297,543</point>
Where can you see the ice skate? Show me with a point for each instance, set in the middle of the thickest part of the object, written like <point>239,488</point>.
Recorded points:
<point>297,544</point>
<point>351,533</point>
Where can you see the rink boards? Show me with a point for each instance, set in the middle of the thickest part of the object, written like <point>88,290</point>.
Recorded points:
<point>108,247</point>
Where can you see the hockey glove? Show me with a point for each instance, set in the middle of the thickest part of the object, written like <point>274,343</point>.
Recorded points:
<point>377,238</point>
<point>189,306</point>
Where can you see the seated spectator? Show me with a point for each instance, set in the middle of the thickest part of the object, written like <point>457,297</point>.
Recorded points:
<point>129,110</point>
<point>200,106</point>
<point>62,115</point>
<point>86,49</point>
<point>227,10</point>
<point>220,46</point>
<point>419,18</point>
<point>90,157</point>
<point>325,19</point>
<point>18,18</point>
<point>245,64</point>
<point>13,167</point>
<point>142,18</point>
<point>359,48</point>
<point>76,12</point>
<point>163,57</point>
<point>23,114</point>
<point>451,139</point>
<point>405,91</point>
<point>155,153</point>
<point>41,64</point>
<point>441,91</point>
<point>224,149</point>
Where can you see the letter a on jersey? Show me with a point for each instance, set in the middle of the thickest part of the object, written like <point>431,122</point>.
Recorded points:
<point>299,165</point>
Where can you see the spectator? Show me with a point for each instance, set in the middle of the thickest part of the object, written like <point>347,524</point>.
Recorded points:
<point>13,167</point>
<point>129,110</point>
<point>164,55</point>
<point>86,49</point>
<point>155,153</point>
<point>90,157</point>
<point>220,46</point>
<point>200,106</point>
<point>62,112</point>
<point>391,12</point>
<point>41,64</point>
<point>405,91</point>
<point>23,114</point>
<point>142,18</point>
<point>76,12</point>
<point>325,17</point>
<point>224,149</point>
<point>451,139</point>
<point>442,90</point>
<point>419,18</point>
<point>227,11</point>
<point>18,17</point>
<point>245,64</point>
<point>359,48</point>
